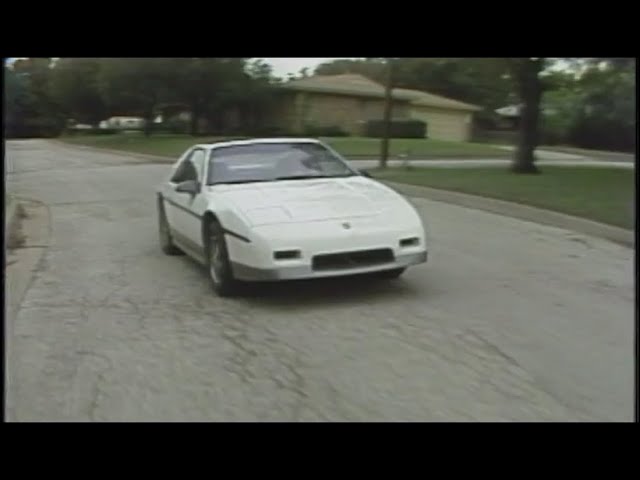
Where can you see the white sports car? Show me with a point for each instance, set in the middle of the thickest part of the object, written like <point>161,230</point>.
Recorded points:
<point>280,209</point>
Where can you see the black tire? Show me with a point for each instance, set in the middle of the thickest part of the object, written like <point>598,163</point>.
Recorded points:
<point>164,233</point>
<point>218,264</point>
<point>391,274</point>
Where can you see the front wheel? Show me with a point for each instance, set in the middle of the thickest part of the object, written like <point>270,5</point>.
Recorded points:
<point>219,266</point>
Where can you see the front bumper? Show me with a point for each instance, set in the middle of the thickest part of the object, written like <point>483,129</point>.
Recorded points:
<point>253,274</point>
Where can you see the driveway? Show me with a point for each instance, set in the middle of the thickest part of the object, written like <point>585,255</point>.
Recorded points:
<point>509,320</point>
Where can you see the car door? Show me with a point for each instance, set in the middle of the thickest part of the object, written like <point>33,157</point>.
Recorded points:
<point>180,212</point>
<point>168,190</point>
<point>196,204</point>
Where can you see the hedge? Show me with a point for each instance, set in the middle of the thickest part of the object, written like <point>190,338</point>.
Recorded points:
<point>324,131</point>
<point>398,129</point>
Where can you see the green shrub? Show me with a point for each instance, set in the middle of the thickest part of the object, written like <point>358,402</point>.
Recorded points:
<point>398,129</point>
<point>91,131</point>
<point>101,131</point>
<point>508,137</point>
<point>175,125</point>
<point>324,131</point>
<point>269,132</point>
<point>33,128</point>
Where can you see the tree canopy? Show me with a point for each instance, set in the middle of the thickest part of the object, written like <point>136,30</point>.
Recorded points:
<point>587,102</point>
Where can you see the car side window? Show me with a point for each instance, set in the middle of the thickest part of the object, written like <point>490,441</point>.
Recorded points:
<point>197,159</point>
<point>186,170</point>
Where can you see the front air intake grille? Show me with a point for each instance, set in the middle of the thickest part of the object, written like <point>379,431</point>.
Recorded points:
<point>287,254</point>
<point>347,260</point>
<point>410,242</point>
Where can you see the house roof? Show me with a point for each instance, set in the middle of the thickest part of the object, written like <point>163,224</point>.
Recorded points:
<point>359,85</point>
<point>346,84</point>
<point>430,100</point>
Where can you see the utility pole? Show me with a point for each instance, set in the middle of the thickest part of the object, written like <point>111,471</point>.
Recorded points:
<point>388,104</point>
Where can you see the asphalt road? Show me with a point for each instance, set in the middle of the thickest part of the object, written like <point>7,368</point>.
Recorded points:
<point>509,321</point>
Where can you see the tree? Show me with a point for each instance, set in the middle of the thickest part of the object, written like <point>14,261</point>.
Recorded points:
<point>135,86</point>
<point>526,75</point>
<point>257,95</point>
<point>30,109</point>
<point>20,104</point>
<point>590,103</point>
<point>209,86</point>
<point>372,68</point>
<point>606,114</point>
<point>388,106</point>
<point>75,89</point>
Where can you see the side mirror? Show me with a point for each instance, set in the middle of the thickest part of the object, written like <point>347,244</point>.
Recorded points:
<point>365,173</point>
<point>190,186</point>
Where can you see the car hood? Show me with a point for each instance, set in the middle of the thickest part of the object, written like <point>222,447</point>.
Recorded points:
<point>309,200</point>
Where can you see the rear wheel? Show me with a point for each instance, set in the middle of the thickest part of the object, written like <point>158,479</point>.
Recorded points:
<point>166,242</point>
<point>219,266</point>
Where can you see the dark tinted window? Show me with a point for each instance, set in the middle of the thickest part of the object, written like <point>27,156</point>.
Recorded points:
<point>274,161</point>
<point>186,170</point>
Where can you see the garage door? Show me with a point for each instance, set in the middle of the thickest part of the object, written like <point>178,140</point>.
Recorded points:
<point>444,125</point>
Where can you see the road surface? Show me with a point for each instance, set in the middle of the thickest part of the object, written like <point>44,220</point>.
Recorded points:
<point>509,321</point>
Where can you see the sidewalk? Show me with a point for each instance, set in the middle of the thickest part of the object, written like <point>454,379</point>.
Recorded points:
<point>10,214</point>
<point>578,154</point>
<point>489,162</point>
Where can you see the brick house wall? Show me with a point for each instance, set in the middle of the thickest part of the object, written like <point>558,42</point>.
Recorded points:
<point>295,110</point>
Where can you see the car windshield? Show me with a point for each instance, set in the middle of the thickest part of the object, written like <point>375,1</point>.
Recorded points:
<point>267,162</point>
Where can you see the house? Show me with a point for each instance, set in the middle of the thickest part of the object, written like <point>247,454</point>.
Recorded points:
<point>123,123</point>
<point>446,119</point>
<point>347,101</point>
<point>344,101</point>
<point>509,116</point>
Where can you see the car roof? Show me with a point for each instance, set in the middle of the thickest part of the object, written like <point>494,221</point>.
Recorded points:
<point>253,141</point>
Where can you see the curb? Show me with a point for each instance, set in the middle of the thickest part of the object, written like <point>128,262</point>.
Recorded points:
<point>143,156</point>
<point>617,235</point>
<point>9,219</point>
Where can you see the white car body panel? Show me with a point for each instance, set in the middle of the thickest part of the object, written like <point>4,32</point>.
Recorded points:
<point>315,217</point>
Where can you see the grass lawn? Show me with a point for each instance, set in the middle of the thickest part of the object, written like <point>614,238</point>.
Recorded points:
<point>351,147</point>
<point>415,147</point>
<point>602,194</point>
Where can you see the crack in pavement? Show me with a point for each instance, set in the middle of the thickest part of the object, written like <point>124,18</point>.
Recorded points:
<point>241,356</point>
<point>532,380</point>
<point>493,348</point>
<point>342,405</point>
<point>97,391</point>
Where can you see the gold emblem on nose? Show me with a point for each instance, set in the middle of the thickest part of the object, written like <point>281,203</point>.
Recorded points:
<point>346,225</point>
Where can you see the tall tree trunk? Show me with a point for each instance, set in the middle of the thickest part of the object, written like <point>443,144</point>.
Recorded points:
<point>148,123</point>
<point>195,117</point>
<point>530,90</point>
<point>388,105</point>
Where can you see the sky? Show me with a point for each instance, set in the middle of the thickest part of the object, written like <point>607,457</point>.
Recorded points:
<point>283,66</point>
